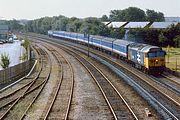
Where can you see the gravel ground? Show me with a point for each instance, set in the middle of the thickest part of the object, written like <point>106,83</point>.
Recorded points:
<point>88,102</point>
<point>136,102</point>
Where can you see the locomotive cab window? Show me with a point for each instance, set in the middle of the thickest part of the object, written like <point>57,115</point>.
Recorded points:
<point>156,54</point>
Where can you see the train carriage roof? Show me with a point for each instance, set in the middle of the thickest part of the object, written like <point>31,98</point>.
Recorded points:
<point>96,37</point>
<point>106,39</point>
<point>122,42</point>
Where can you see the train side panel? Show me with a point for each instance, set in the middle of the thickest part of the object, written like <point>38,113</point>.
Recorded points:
<point>121,47</point>
<point>136,56</point>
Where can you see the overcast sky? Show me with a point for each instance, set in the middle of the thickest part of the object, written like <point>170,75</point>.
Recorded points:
<point>32,9</point>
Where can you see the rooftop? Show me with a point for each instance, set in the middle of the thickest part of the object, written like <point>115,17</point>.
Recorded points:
<point>4,29</point>
<point>162,24</point>
<point>157,25</point>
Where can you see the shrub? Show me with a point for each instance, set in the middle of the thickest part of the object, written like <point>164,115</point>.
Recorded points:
<point>5,61</point>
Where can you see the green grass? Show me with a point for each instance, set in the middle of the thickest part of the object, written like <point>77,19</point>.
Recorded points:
<point>173,58</point>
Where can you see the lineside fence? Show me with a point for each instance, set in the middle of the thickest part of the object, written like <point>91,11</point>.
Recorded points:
<point>16,72</point>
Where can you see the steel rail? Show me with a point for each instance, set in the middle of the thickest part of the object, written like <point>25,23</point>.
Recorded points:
<point>43,85</point>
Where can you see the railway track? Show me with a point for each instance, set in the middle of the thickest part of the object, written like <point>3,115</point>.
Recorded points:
<point>173,80</point>
<point>20,102</point>
<point>113,98</point>
<point>169,100</point>
<point>168,83</point>
<point>61,100</point>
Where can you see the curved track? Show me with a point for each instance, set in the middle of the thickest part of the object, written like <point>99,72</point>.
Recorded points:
<point>25,98</point>
<point>61,101</point>
<point>163,96</point>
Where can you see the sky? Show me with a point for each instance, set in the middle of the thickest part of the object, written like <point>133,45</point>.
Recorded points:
<point>33,9</point>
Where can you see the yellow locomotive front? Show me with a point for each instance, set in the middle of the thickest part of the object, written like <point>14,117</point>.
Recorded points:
<point>148,58</point>
<point>155,60</point>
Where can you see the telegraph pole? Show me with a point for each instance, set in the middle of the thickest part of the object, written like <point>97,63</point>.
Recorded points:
<point>88,43</point>
<point>176,63</point>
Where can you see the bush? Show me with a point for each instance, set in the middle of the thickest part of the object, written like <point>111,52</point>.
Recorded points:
<point>5,61</point>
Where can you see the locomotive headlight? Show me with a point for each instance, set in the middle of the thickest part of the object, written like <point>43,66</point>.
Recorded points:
<point>156,60</point>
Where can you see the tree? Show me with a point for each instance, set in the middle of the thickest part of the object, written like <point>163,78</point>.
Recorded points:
<point>26,44</point>
<point>5,61</point>
<point>103,30</point>
<point>117,33</point>
<point>117,15</point>
<point>134,14</point>
<point>14,25</point>
<point>74,24</point>
<point>129,14</point>
<point>177,41</point>
<point>91,25</point>
<point>45,25</point>
<point>152,36</point>
<point>104,18</point>
<point>163,40</point>
<point>153,16</point>
<point>60,24</point>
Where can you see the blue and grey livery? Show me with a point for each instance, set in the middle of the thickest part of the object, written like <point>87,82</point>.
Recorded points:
<point>146,57</point>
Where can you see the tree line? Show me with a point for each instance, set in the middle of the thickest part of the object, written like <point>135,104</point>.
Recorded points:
<point>134,14</point>
<point>94,26</point>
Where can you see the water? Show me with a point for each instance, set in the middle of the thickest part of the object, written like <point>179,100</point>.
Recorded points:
<point>14,51</point>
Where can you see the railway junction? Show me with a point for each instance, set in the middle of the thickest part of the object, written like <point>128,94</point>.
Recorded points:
<point>73,81</point>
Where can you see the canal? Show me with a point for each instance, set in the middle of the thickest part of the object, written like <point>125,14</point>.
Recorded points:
<point>14,50</point>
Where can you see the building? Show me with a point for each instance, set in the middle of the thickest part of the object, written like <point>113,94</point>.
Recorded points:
<point>4,29</point>
<point>172,19</point>
<point>137,25</point>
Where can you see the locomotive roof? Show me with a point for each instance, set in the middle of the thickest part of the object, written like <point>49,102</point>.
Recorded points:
<point>150,48</point>
<point>143,47</point>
